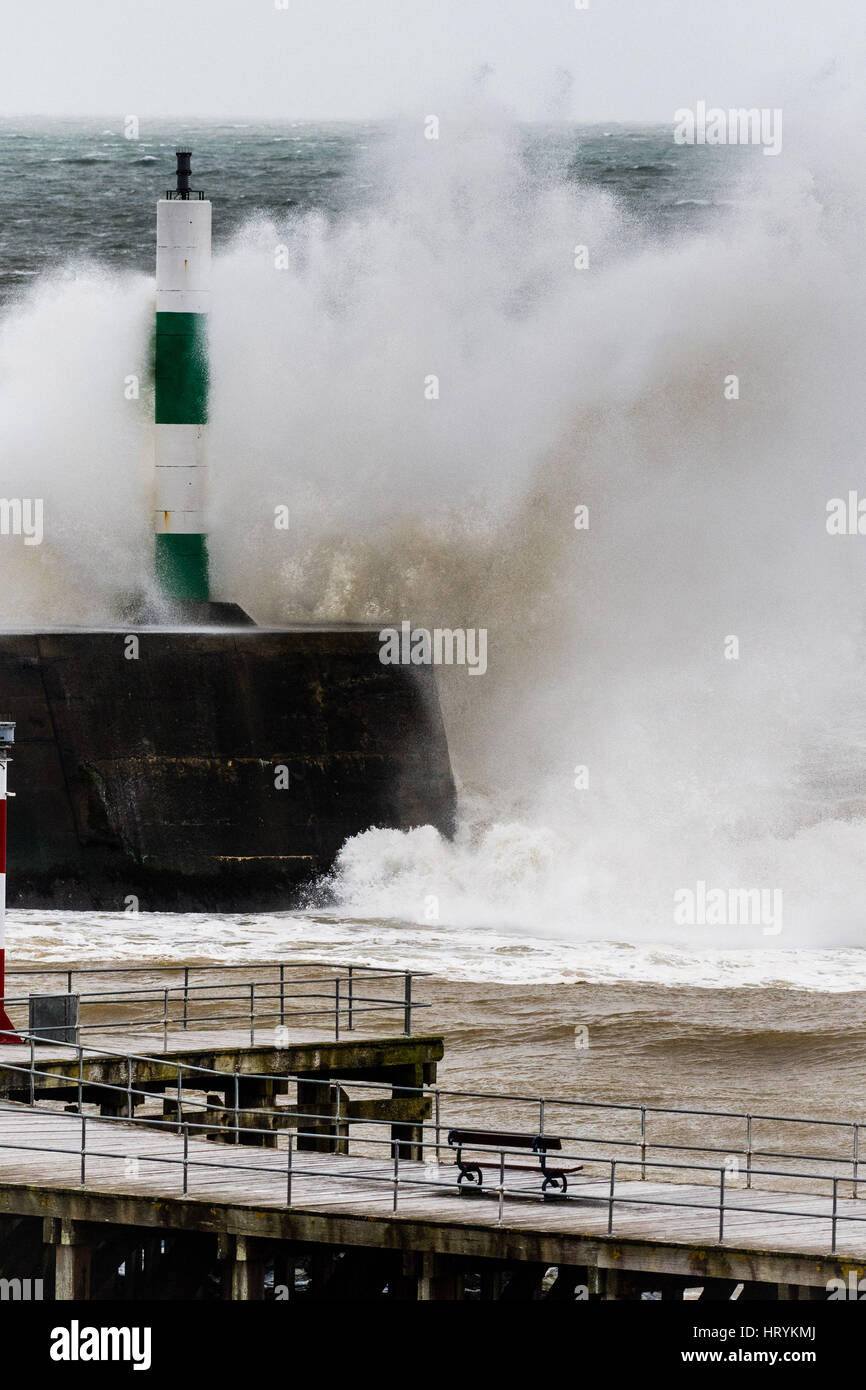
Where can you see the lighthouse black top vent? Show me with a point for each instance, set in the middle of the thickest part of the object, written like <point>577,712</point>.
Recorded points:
<point>183,189</point>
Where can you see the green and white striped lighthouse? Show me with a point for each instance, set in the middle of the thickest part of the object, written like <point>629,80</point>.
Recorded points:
<point>183,262</point>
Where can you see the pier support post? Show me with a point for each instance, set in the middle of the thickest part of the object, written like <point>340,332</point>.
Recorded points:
<point>72,1263</point>
<point>603,1283</point>
<point>245,1268</point>
<point>255,1094</point>
<point>147,1276</point>
<point>439,1280</point>
<point>324,1134</point>
<point>117,1108</point>
<point>408,1138</point>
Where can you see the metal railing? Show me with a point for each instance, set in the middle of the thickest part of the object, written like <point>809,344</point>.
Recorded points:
<point>244,1124</point>
<point>337,996</point>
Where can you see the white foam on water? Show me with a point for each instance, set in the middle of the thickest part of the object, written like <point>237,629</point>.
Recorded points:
<point>557,387</point>
<point>485,955</point>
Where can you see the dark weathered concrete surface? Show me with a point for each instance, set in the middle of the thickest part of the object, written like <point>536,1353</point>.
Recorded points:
<point>155,776</point>
<point>369,1059</point>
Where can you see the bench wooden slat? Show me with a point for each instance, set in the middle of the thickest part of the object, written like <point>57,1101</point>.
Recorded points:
<point>524,1168</point>
<point>502,1139</point>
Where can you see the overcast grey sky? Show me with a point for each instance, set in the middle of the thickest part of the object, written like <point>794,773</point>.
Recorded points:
<point>627,59</point>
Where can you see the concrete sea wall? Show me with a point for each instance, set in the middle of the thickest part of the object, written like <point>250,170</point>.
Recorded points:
<point>157,767</point>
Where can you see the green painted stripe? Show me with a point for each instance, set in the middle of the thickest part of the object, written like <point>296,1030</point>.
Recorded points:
<point>180,369</point>
<point>182,567</point>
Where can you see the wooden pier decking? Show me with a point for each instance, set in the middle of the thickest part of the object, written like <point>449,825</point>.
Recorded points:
<point>134,1180</point>
<point>243,1082</point>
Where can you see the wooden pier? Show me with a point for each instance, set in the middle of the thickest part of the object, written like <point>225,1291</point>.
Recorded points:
<point>235,1076</point>
<point>339,1226</point>
<point>207,1140</point>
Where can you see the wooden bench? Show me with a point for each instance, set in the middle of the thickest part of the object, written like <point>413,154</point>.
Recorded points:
<point>482,1140</point>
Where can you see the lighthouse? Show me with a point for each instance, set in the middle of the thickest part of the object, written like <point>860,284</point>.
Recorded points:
<point>155,778</point>
<point>183,264</point>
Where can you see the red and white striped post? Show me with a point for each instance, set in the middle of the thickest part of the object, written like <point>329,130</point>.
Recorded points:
<point>7,1027</point>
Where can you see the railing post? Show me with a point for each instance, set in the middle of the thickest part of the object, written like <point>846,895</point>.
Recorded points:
<point>351,1023</point>
<point>501,1183</point>
<point>185,1159</point>
<point>289,1171</point>
<point>748,1151</point>
<point>83,1148</point>
<point>237,1112</point>
<point>32,1071</point>
<point>407,1004</point>
<point>69,982</point>
<point>437,1121</point>
<point>835,1211</point>
<point>396,1173</point>
<point>282,996</point>
<point>721,1205</point>
<point>610,1198</point>
<point>185,996</point>
<point>252,1012</point>
<point>643,1143</point>
<point>179,1094</point>
<point>80,1077</point>
<point>337,1009</point>
<point>130,1110</point>
<point>165,1020</point>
